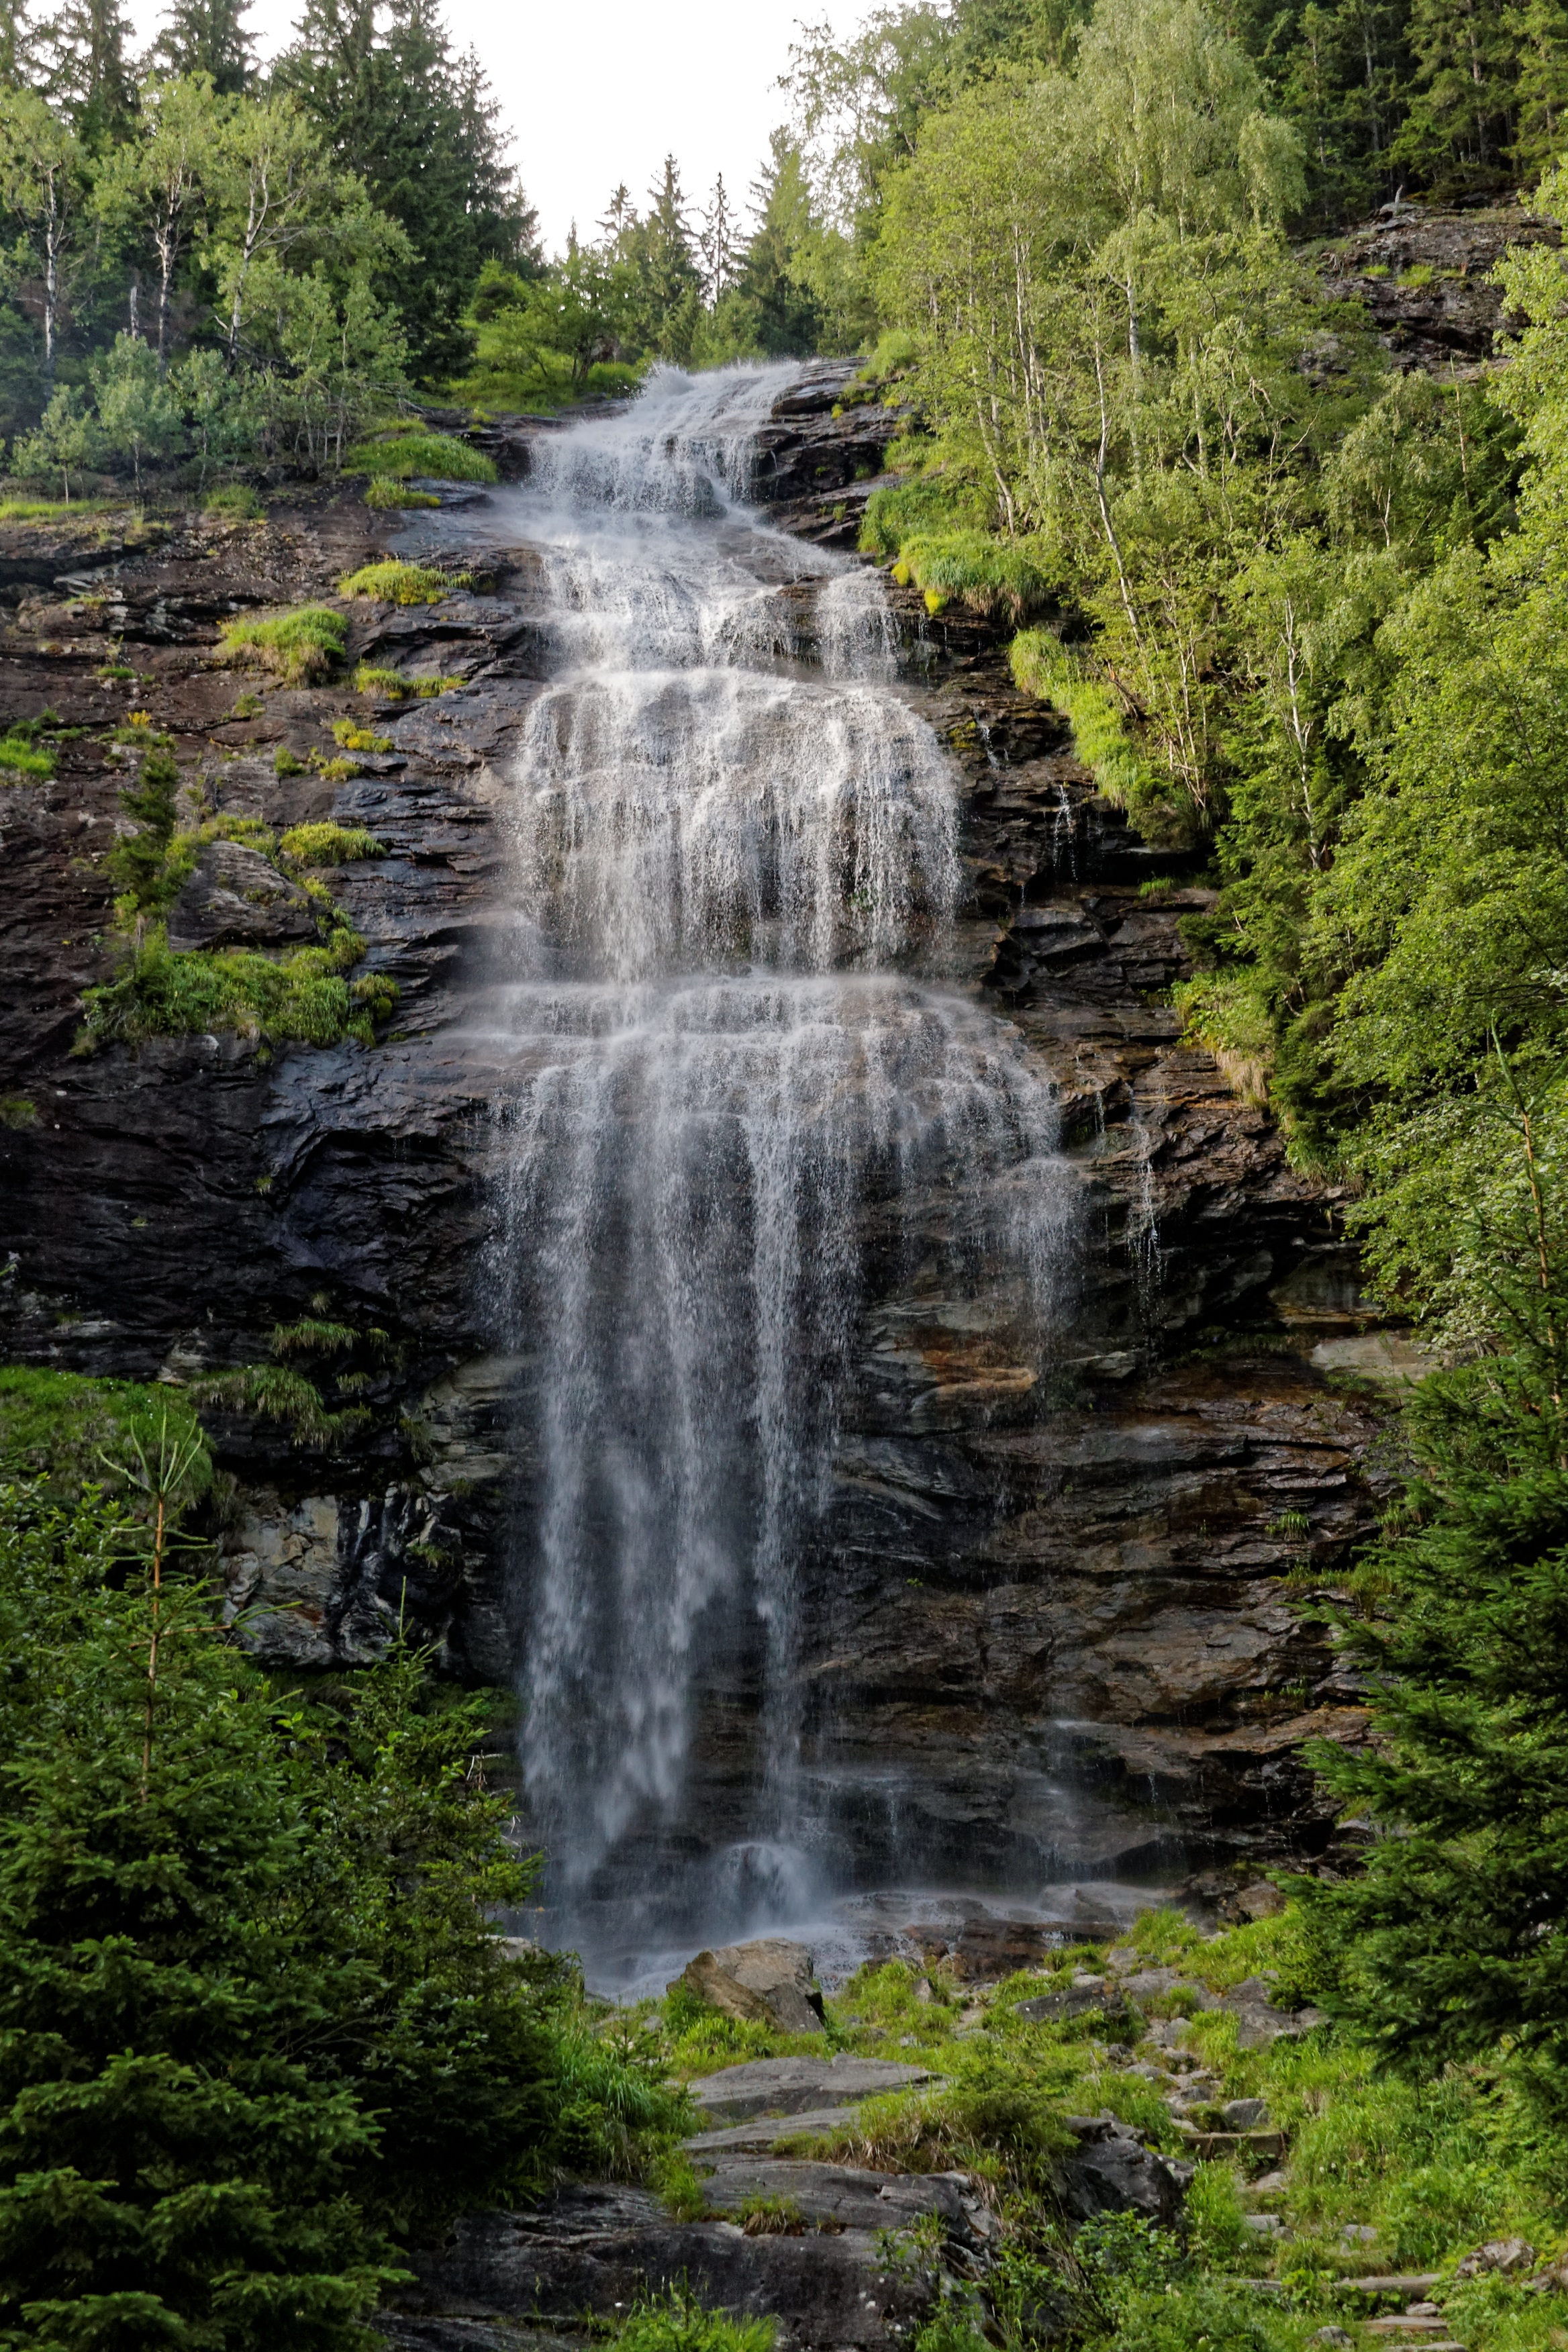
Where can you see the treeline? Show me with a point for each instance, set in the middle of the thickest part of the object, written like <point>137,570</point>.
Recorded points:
<point>206,261</point>
<point>1307,614</point>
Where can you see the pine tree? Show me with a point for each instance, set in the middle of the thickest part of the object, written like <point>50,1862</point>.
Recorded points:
<point>420,127</point>
<point>1455,1939</point>
<point>786,315</point>
<point>87,68</point>
<point>18,43</point>
<point>208,37</point>
<point>718,246</point>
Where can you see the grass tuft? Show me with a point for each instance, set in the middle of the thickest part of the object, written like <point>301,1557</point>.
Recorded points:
<point>384,492</point>
<point>393,582</point>
<point>301,646</point>
<point>393,687</point>
<point>303,996</point>
<point>324,843</point>
<point>404,451</point>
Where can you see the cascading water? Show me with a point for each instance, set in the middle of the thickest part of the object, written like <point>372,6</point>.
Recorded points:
<point>733,868</point>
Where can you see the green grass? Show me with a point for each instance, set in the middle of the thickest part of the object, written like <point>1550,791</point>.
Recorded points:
<point>22,761</point>
<point>66,1430</point>
<point>302,646</point>
<point>393,687</point>
<point>1003,578</point>
<point>353,736</point>
<point>302,997</point>
<point>393,582</point>
<point>400,453</point>
<point>676,2322</point>
<point>924,505</point>
<point>1043,666</point>
<point>323,843</point>
<point>384,492</point>
<point>51,510</point>
<point>236,502</point>
<point>18,1112</point>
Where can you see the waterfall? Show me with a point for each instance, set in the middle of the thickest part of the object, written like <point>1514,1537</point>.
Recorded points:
<point>732,870</point>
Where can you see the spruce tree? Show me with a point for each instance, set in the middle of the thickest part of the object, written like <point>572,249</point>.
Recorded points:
<point>208,37</point>
<point>1454,1938</point>
<point>87,69</point>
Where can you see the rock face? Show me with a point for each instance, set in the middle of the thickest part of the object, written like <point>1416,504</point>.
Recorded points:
<point>1425,274</point>
<point>770,1979</point>
<point>596,2250</point>
<point>791,2086</point>
<point>1048,1633</point>
<point>235,898</point>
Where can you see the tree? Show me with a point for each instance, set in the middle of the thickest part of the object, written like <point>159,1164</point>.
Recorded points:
<point>154,184</point>
<point>42,181</point>
<point>783,314</point>
<point>137,411</point>
<point>87,70</point>
<point>210,37</point>
<point>1454,1938</point>
<point>171,2158</point>
<point>718,246</point>
<point>65,441</point>
<point>420,128</point>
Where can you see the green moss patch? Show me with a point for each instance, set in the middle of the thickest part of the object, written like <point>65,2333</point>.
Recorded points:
<point>404,583</point>
<point>400,453</point>
<point>301,646</point>
<point>303,996</point>
<point>323,844</point>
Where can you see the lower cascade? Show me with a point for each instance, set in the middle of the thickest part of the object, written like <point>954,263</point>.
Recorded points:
<point>741,1108</point>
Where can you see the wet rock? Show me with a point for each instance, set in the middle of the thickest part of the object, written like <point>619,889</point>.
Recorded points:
<point>1113,2172</point>
<point>235,898</point>
<point>983,1948</point>
<point>595,2249</point>
<point>788,2086</point>
<point>1077,2000</point>
<point>769,1978</point>
<point>849,2197</point>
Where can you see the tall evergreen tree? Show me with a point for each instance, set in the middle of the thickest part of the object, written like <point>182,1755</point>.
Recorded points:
<point>420,127</point>
<point>785,314</point>
<point>208,37</point>
<point>87,68</point>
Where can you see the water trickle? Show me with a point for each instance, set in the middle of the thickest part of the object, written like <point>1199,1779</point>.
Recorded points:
<point>727,1069</point>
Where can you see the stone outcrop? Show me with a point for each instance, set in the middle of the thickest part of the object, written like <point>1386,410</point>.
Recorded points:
<point>769,1980</point>
<point>1425,274</point>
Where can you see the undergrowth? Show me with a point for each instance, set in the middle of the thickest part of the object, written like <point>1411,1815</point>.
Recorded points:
<point>402,451</point>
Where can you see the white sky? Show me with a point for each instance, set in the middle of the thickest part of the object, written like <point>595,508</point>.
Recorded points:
<point>597,91</point>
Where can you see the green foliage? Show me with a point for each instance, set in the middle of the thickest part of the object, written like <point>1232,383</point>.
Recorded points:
<point>394,582</point>
<point>302,996</point>
<point>405,450</point>
<point>301,646</point>
<point>384,492</point>
<point>18,1112</point>
<point>22,757</point>
<point>392,686</point>
<point>59,1433</point>
<point>234,502</point>
<point>676,2322</point>
<point>1001,578</point>
<point>323,843</point>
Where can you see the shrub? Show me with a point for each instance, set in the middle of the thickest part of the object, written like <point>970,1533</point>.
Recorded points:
<point>301,646</point>
<point>407,451</point>
<point>138,865</point>
<point>393,582</point>
<point>284,762</point>
<point>353,737</point>
<point>19,1111</point>
<point>678,2323</point>
<point>323,844</point>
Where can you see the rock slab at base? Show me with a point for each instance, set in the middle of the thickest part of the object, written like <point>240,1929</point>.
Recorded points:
<point>845,2197</point>
<point>1113,2172</point>
<point>769,1980</point>
<point>789,2086</point>
<point>598,2249</point>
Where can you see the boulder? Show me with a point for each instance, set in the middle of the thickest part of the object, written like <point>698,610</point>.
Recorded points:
<point>1505,2254</point>
<point>1077,2002</point>
<point>1112,2171</point>
<point>769,1980</point>
<point>234,898</point>
<point>789,2086</point>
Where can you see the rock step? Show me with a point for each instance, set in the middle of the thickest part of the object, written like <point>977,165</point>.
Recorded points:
<point>764,2131</point>
<point>1405,2325</point>
<point>847,2197</point>
<point>1271,2144</point>
<point>1388,2282</point>
<point>595,2250</point>
<point>786,2087</point>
